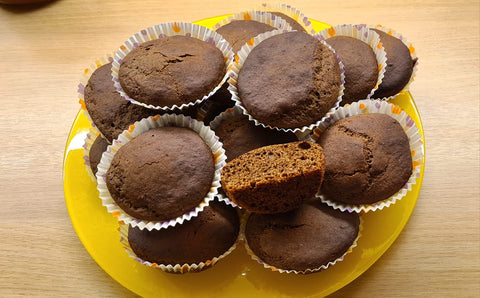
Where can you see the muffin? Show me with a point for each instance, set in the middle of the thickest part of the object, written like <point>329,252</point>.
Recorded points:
<point>161,174</point>
<point>109,111</point>
<point>239,135</point>
<point>215,104</point>
<point>360,64</point>
<point>198,243</point>
<point>275,178</point>
<point>238,32</point>
<point>95,153</point>
<point>399,66</point>
<point>289,81</point>
<point>367,159</point>
<point>307,239</point>
<point>295,25</point>
<point>171,71</point>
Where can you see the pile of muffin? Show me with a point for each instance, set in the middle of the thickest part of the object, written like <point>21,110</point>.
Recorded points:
<point>260,132</point>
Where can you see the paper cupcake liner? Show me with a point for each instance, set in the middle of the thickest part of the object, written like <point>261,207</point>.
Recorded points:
<point>414,138</point>
<point>136,129</point>
<point>308,271</point>
<point>290,11</point>
<point>177,268</point>
<point>87,73</point>
<point>259,16</point>
<point>410,47</point>
<point>162,31</point>
<point>90,138</point>
<point>366,35</point>
<point>236,67</point>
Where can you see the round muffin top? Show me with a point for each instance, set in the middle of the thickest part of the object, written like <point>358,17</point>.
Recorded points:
<point>171,71</point>
<point>238,32</point>
<point>161,174</point>
<point>200,239</point>
<point>360,64</point>
<point>110,112</point>
<point>399,66</point>
<point>95,153</point>
<point>289,80</point>
<point>295,25</point>
<point>239,135</point>
<point>367,159</point>
<point>304,238</point>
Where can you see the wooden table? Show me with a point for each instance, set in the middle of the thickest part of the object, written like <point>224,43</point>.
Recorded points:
<point>45,47</point>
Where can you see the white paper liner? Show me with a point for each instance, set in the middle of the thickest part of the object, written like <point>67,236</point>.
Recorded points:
<point>236,66</point>
<point>90,138</point>
<point>177,268</point>
<point>87,73</point>
<point>208,136</point>
<point>162,31</point>
<point>411,49</point>
<point>414,137</point>
<point>259,16</point>
<point>370,37</point>
<point>308,271</point>
<point>290,11</point>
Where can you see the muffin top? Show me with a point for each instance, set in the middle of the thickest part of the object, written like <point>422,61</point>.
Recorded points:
<point>109,111</point>
<point>295,25</point>
<point>289,80</point>
<point>171,71</point>
<point>239,135</point>
<point>95,153</point>
<point>367,159</point>
<point>399,66</point>
<point>200,239</point>
<point>161,174</point>
<point>238,32</point>
<point>360,64</point>
<point>304,238</point>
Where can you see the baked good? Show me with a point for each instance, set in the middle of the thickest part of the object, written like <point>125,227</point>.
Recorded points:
<point>360,65</point>
<point>161,174</point>
<point>275,178</point>
<point>399,66</point>
<point>215,104</point>
<point>289,80</point>
<point>109,111</point>
<point>305,238</point>
<point>238,32</point>
<point>295,25</point>
<point>367,159</point>
<point>171,71</point>
<point>213,232</point>
<point>95,153</point>
<point>239,135</point>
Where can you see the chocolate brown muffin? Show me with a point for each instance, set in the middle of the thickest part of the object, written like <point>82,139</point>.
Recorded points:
<point>399,66</point>
<point>95,153</point>
<point>275,178</point>
<point>239,135</point>
<point>367,159</point>
<point>238,32</point>
<point>289,80</point>
<point>360,64</point>
<point>305,238</point>
<point>109,111</point>
<point>295,25</point>
<point>171,71</point>
<point>161,174</point>
<point>209,235</point>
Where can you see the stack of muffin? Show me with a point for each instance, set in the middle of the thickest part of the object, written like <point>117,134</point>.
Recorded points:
<point>295,146</point>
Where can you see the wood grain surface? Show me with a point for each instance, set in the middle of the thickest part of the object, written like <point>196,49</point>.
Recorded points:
<point>44,48</point>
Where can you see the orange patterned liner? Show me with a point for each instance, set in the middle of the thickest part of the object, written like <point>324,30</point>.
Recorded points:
<point>368,106</point>
<point>90,138</point>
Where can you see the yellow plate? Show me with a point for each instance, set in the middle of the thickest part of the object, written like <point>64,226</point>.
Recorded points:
<point>237,275</point>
